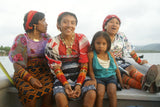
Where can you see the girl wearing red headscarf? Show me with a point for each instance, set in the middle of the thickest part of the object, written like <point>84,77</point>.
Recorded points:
<point>67,57</point>
<point>32,76</point>
<point>121,48</point>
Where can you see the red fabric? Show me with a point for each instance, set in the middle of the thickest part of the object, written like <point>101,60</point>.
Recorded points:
<point>83,47</point>
<point>109,17</point>
<point>29,18</point>
<point>80,45</point>
<point>62,48</point>
<point>131,82</point>
<point>136,75</point>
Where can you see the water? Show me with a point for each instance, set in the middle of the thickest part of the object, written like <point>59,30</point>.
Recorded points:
<point>153,58</point>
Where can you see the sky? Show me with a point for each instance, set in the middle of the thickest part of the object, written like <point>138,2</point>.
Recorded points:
<point>140,19</point>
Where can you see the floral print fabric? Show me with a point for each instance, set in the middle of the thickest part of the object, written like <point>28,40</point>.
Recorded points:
<point>121,47</point>
<point>23,47</point>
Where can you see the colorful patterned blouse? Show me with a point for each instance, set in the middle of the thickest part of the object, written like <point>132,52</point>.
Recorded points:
<point>56,50</point>
<point>24,47</point>
<point>121,46</point>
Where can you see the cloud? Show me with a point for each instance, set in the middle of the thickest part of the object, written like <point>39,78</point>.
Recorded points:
<point>140,18</point>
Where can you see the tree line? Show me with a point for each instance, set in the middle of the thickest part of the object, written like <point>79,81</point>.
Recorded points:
<point>4,50</point>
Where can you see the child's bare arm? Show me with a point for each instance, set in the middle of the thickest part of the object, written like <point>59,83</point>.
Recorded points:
<point>90,69</point>
<point>118,72</point>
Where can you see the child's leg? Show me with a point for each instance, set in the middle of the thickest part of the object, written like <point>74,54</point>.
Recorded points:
<point>131,82</point>
<point>134,73</point>
<point>47,100</point>
<point>100,95</point>
<point>31,103</point>
<point>111,92</point>
<point>89,98</point>
<point>61,100</point>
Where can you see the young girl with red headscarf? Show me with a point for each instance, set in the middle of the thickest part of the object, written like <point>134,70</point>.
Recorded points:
<point>32,76</point>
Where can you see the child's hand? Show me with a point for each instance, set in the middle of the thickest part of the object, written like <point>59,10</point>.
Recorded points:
<point>143,62</point>
<point>126,86</point>
<point>35,83</point>
<point>77,91</point>
<point>91,82</point>
<point>69,91</point>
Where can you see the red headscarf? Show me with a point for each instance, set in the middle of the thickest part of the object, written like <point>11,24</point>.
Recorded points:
<point>108,18</point>
<point>29,18</point>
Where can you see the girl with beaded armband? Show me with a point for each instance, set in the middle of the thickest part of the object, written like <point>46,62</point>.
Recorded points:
<point>67,57</point>
<point>32,77</point>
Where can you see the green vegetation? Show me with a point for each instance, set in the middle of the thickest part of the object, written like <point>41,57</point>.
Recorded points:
<point>4,50</point>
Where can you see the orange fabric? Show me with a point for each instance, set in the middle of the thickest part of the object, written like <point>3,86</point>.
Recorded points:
<point>23,73</point>
<point>82,75</point>
<point>136,75</point>
<point>136,58</point>
<point>60,76</point>
<point>131,82</point>
<point>39,69</point>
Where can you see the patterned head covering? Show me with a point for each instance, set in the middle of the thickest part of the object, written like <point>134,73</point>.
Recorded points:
<point>29,18</point>
<point>108,18</point>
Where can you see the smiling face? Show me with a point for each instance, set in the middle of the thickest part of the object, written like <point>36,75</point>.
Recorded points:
<point>100,44</point>
<point>112,26</point>
<point>67,25</point>
<point>42,26</point>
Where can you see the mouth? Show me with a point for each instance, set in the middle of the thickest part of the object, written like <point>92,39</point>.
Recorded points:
<point>113,28</point>
<point>68,30</point>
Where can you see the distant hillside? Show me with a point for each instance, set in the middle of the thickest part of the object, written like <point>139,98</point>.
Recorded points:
<point>148,48</point>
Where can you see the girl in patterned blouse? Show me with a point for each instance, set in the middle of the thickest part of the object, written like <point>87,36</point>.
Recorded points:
<point>32,76</point>
<point>67,57</point>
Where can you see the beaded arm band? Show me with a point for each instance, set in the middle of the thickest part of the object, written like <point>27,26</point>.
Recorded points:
<point>60,76</point>
<point>25,75</point>
<point>22,72</point>
<point>136,58</point>
<point>82,75</point>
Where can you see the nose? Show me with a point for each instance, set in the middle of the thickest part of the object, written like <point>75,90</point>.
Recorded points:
<point>45,23</point>
<point>114,24</point>
<point>69,24</point>
<point>100,45</point>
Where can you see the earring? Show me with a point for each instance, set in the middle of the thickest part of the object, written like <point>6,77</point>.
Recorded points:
<point>105,27</point>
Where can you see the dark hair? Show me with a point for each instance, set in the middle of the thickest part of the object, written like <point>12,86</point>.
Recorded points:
<point>106,37</point>
<point>38,16</point>
<point>64,14</point>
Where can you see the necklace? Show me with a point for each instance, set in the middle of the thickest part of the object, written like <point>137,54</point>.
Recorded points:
<point>32,37</point>
<point>68,47</point>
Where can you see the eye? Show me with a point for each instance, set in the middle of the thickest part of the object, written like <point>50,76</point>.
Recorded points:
<point>111,21</point>
<point>104,43</point>
<point>64,21</point>
<point>97,43</point>
<point>73,23</point>
<point>117,23</point>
